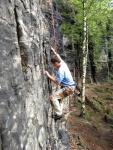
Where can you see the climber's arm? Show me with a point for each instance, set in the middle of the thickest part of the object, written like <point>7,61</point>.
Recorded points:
<point>55,53</point>
<point>52,78</point>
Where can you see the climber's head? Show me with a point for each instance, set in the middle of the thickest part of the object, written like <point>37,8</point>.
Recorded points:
<point>56,61</point>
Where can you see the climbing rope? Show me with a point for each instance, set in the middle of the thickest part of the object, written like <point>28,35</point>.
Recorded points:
<point>53,23</point>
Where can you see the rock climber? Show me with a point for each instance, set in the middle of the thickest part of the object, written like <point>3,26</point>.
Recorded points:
<point>64,80</point>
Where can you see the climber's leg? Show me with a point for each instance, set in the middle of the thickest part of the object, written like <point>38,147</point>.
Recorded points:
<point>55,101</point>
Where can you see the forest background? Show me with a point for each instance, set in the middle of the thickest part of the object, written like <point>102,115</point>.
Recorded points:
<point>88,25</point>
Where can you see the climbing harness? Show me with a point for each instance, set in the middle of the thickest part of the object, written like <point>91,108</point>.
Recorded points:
<point>65,92</point>
<point>53,23</point>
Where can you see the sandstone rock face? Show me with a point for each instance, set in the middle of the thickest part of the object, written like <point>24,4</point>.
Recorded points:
<point>25,112</point>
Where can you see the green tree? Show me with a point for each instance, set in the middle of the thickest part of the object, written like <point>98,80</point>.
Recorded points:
<point>110,46</point>
<point>91,20</point>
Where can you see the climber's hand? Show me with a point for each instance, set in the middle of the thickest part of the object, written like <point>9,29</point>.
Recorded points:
<point>53,50</point>
<point>47,73</point>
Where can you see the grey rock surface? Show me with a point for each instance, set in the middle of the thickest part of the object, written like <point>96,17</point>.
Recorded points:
<point>25,40</point>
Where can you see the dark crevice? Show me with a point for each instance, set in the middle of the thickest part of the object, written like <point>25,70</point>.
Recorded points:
<point>9,1</point>
<point>23,47</point>
<point>46,68</point>
<point>17,24</point>
<point>23,4</point>
<point>1,140</point>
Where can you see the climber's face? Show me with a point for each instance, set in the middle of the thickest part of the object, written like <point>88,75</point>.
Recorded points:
<point>56,64</point>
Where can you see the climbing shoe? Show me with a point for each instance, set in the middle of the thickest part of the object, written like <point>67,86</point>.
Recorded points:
<point>55,116</point>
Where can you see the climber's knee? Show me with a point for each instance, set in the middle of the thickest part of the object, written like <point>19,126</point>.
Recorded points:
<point>51,96</point>
<point>51,103</point>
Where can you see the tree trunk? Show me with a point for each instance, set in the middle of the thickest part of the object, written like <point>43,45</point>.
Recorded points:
<point>85,53</point>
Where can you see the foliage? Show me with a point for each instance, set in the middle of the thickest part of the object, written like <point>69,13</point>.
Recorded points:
<point>70,25</point>
<point>90,28</point>
<point>98,15</point>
